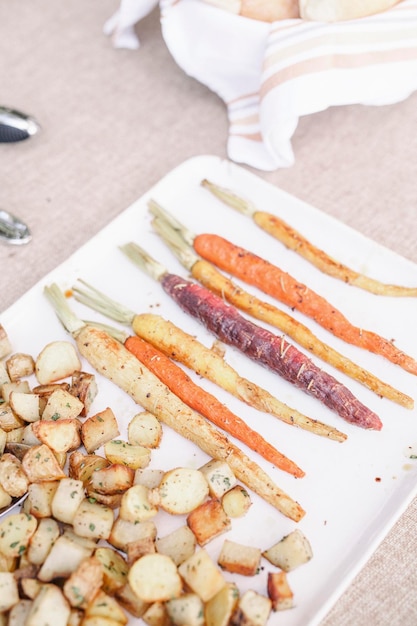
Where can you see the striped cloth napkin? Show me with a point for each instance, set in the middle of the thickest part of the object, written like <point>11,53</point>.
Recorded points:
<point>271,74</point>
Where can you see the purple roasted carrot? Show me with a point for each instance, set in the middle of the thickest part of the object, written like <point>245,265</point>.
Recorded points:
<point>258,343</point>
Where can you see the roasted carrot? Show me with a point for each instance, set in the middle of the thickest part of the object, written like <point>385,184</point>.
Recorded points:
<point>113,361</point>
<point>206,362</point>
<point>207,274</point>
<point>273,281</point>
<point>205,403</point>
<point>294,240</point>
<point>259,344</point>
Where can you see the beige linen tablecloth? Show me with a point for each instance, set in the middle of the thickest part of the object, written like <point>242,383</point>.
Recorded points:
<point>116,121</point>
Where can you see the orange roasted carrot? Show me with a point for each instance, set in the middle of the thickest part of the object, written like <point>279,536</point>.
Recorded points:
<point>200,400</point>
<point>273,281</point>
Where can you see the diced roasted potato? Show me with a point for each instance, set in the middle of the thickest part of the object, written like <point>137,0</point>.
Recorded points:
<point>57,360</point>
<point>4,376</point>
<point>99,429</point>
<point>290,552</point>
<point>179,544</point>
<point>136,549</point>
<point>187,610</point>
<point>237,501</point>
<point>8,418</point>
<point>145,429</point>
<point>114,567</point>
<point>148,477</point>
<point>39,499</point>
<point>119,451</point>
<point>253,609</point>
<point>66,500</point>
<point>202,575</point>
<point>130,601</point>
<point>3,440</point>
<point>279,591</point>
<point>13,479</point>
<point>154,578</point>
<point>19,613</point>
<point>20,365</point>
<point>62,405</point>
<point>18,385</point>
<point>84,583</point>
<point>135,505</point>
<point>16,531</point>
<point>114,479</point>
<point>25,568</point>
<point>44,391</point>
<point>180,491</point>
<point>82,466</point>
<point>103,605</point>
<point>156,615</point>
<point>76,617</point>
<point>8,563</point>
<point>208,521</point>
<point>124,532</point>
<point>65,556</point>
<point>5,345</point>
<point>60,436</point>
<point>9,591</point>
<point>30,587</point>
<point>42,540</point>
<point>15,436</point>
<point>84,387</point>
<point>239,559</point>
<point>49,608</point>
<point>219,476</point>
<point>28,437</point>
<point>25,405</point>
<point>112,500</point>
<point>87,542</point>
<point>93,520</point>
<point>5,498</point>
<point>220,608</point>
<point>40,464</point>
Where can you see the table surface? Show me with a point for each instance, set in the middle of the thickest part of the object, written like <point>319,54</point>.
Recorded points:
<point>114,122</point>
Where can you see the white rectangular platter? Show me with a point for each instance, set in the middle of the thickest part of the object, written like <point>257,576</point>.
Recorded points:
<point>353,492</point>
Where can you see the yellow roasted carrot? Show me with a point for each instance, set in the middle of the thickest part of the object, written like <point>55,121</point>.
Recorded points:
<point>294,240</point>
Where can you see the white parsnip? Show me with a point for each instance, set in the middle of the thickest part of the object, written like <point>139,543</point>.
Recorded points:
<point>112,360</point>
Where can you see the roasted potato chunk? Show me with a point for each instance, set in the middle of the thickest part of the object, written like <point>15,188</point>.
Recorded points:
<point>290,552</point>
<point>239,559</point>
<point>179,544</point>
<point>202,575</point>
<point>154,578</point>
<point>180,491</point>
<point>145,429</point>
<point>20,365</point>
<point>84,387</point>
<point>208,521</point>
<point>16,531</point>
<point>99,429</point>
<point>57,360</point>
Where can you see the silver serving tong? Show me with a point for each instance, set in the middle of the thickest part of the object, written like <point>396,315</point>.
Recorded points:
<point>13,230</point>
